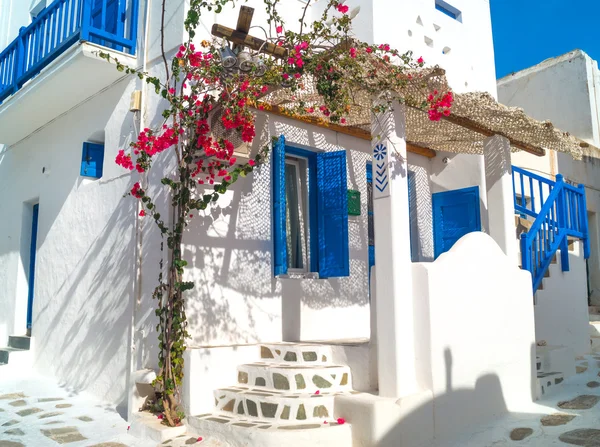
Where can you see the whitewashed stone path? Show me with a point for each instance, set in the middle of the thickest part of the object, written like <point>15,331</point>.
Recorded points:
<point>569,416</point>
<point>36,412</point>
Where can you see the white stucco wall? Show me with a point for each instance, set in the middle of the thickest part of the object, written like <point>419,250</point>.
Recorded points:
<point>85,251</point>
<point>468,348</point>
<point>561,315</point>
<point>561,90</point>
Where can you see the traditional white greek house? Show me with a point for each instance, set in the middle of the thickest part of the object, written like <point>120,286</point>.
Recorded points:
<point>375,263</point>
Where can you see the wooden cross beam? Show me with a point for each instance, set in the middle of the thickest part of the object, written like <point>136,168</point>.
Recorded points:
<point>240,37</point>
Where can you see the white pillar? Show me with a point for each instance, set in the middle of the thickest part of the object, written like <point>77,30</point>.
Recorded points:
<point>500,203</point>
<point>393,273</point>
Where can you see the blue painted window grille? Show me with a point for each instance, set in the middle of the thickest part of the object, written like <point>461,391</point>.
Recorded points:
<point>111,23</point>
<point>92,160</point>
<point>449,10</point>
<point>310,212</point>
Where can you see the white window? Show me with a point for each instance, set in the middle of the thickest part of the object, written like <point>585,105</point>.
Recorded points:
<point>296,193</point>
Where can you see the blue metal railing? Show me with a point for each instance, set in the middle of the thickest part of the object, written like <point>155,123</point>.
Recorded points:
<point>110,23</point>
<point>560,213</point>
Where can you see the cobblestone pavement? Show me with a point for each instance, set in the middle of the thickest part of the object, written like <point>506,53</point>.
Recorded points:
<point>567,416</point>
<point>36,412</point>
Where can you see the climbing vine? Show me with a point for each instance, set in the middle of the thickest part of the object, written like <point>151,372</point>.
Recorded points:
<point>212,93</point>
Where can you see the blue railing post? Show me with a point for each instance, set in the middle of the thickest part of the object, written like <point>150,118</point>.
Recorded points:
<point>525,254</point>
<point>584,221</point>
<point>562,219</point>
<point>20,56</point>
<point>86,19</point>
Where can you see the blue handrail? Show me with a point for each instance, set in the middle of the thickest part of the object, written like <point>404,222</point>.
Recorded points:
<point>110,23</point>
<point>562,214</point>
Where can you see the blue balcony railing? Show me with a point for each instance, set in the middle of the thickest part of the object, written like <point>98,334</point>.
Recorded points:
<point>110,23</point>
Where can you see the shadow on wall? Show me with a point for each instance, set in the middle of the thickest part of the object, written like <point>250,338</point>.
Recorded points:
<point>90,328</point>
<point>454,413</point>
<point>229,252</point>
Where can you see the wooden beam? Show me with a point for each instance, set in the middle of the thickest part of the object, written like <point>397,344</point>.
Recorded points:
<point>471,125</point>
<point>244,21</point>
<point>246,40</point>
<point>356,132</point>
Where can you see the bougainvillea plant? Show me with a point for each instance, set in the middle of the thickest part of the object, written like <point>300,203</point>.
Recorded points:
<point>206,93</point>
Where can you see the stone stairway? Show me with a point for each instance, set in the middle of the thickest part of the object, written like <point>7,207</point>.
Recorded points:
<point>16,344</point>
<point>546,381</point>
<point>286,399</point>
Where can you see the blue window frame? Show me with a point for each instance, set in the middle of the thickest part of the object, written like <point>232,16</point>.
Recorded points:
<point>310,216</point>
<point>449,10</point>
<point>92,160</point>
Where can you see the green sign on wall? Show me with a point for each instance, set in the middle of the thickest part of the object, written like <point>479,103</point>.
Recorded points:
<point>353,202</point>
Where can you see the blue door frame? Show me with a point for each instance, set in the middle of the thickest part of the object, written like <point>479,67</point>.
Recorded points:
<point>32,253</point>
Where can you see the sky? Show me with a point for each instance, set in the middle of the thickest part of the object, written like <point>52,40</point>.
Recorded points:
<point>527,32</point>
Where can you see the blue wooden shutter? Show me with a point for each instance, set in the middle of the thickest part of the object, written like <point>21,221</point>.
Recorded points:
<point>92,160</point>
<point>332,214</point>
<point>279,208</point>
<point>455,213</point>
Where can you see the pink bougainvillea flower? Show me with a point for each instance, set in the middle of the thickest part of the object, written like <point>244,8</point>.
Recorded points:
<point>353,52</point>
<point>251,162</point>
<point>420,60</point>
<point>128,427</point>
<point>279,29</point>
<point>142,214</point>
<point>343,121</point>
<point>342,8</point>
<point>160,416</point>
<point>341,421</point>
<point>369,50</point>
<point>324,422</point>
<point>317,392</point>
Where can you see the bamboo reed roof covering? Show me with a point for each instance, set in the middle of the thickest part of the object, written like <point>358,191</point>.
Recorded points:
<point>475,116</point>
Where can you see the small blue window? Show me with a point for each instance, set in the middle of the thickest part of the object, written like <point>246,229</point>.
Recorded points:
<point>310,212</point>
<point>449,10</point>
<point>92,160</point>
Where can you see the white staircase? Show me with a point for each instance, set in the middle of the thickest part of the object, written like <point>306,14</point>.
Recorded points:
<point>286,399</point>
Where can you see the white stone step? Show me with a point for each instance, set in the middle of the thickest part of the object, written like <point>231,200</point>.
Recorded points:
<point>275,407</point>
<point>241,432</point>
<point>557,359</point>
<point>296,353</point>
<point>595,328</point>
<point>299,378</point>
<point>595,343</point>
<point>548,382</point>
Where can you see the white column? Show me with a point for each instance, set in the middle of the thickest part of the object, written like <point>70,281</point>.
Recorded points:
<point>500,203</point>
<point>393,273</point>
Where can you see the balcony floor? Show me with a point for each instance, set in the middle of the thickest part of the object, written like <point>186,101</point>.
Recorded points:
<point>76,75</point>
